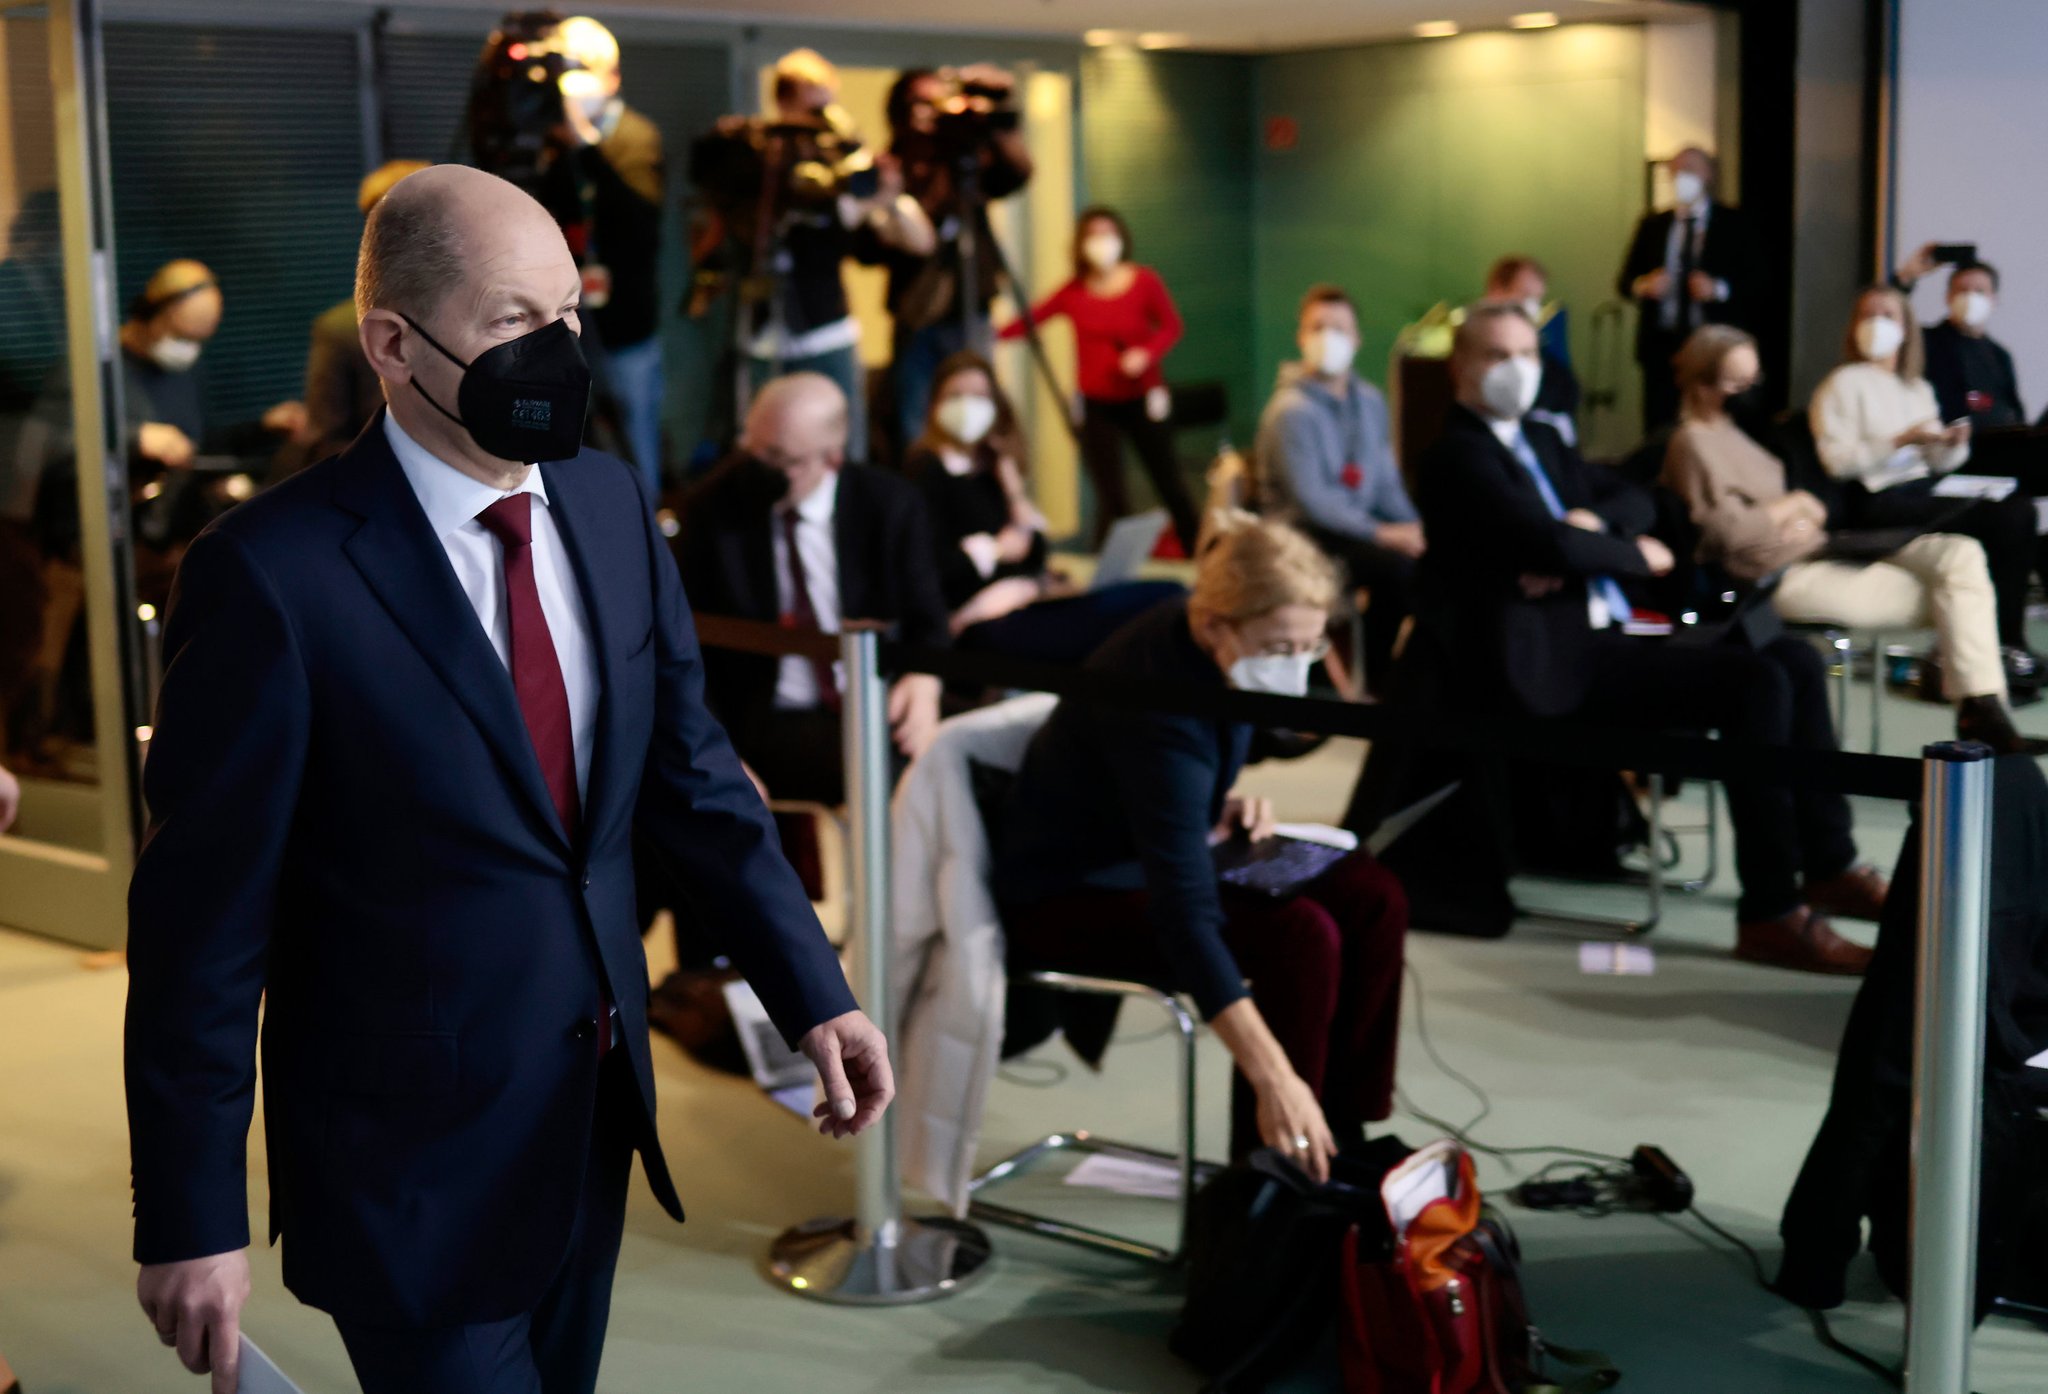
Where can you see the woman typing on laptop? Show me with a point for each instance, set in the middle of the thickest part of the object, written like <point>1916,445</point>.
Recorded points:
<point>991,538</point>
<point>1106,857</point>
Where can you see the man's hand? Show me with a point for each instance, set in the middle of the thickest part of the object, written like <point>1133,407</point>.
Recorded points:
<point>1250,816</point>
<point>1704,288</point>
<point>165,444</point>
<point>1586,520</point>
<point>1652,285</point>
<point>914,712</point>
<point>196,1305</point>
<point>760,785</point>
<point>1656,556</point>
<point>1405,538</point>
<point>286,419</point>
<point>1134,362</point>
<point>852,1057</point>
<point>10,799</point>
<point>1917,265</point>
<point>1535,587</point>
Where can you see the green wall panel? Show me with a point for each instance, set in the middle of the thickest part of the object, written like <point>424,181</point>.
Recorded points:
<point>1418,163</point>
<point>1166,138</point>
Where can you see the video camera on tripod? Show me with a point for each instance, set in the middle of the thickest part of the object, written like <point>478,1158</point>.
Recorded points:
<point>749,165</point>
<point>970,108</point>
<point>516,116</point>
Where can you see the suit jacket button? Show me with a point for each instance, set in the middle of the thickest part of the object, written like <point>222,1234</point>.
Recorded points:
<point>586,880</point>
<point>586,1030</point>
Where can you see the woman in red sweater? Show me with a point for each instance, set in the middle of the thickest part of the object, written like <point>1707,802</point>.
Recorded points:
<point>1124,323</point>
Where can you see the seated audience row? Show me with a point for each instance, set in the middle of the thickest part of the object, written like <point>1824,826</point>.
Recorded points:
<point>1521,610</point>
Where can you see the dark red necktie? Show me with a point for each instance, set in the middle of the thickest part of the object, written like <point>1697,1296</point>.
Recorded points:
<point>804,616</point>
<point>537,679</point>
<point>536,670</point>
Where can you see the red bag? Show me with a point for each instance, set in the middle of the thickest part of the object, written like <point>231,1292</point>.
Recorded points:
<point>1445,1315</point>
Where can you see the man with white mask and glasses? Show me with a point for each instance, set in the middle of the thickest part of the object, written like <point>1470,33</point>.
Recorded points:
<point>1522,611</point>
<point>1690,264</point>
<point>1325,463</point>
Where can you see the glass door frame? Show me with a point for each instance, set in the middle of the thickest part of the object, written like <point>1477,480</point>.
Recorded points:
<point>65,892</point>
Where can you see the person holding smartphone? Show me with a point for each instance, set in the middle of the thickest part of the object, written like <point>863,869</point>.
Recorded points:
<point>1878,428</point>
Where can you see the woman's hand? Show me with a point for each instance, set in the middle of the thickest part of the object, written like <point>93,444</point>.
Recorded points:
<point>1135,362</point>
<point>1013,543</point>
<point>1925,433</point>
<point>1253,817</point>
<point>1291,1122</point>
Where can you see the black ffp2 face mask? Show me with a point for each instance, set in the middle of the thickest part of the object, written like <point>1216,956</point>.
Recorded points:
<point>524,399</point>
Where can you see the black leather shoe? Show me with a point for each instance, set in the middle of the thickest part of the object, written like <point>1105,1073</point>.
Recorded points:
<point>1985,720</point>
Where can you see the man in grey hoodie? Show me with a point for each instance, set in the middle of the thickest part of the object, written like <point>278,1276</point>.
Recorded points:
<point>1325,463</point>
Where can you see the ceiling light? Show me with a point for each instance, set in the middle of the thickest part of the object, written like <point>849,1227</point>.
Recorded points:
<point>1536,19</point>
<point>1436,29</point>
<point>1162,41</point>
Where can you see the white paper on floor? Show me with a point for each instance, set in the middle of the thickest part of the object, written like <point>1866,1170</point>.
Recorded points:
<point>1622,960</point>
<point>1127,1176</point>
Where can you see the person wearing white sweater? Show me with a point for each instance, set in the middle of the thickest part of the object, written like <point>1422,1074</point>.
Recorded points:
<point>1878,430</point>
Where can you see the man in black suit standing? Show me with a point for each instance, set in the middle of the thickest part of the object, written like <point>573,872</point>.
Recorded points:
<point>417,700</point>
<point>1691,264</point>
<point>779,531</point>
<point>1521,610</point>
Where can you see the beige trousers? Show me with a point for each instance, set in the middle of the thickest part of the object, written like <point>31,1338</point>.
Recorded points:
<point>1939,579</point>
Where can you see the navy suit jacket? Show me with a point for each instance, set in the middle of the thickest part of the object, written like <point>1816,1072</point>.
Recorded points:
<point>348,819</point>
<point>1488,526</point>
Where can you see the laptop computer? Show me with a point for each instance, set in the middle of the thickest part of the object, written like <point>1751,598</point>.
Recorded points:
<point>1129,543</point>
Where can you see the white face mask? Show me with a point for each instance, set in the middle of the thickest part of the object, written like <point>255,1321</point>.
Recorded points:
<point>967,417</point>
<point>1879,337</point>
<point>1329,351</point>
<point>174,355</point>
<point>1509,387</point>
<point>1970,308</point>
<point>1102,250</point>
<point>1281,674</point>
<point>1687,188</point>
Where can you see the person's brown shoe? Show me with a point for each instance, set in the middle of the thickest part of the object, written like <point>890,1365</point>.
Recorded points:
<point>1802,940</point>
<point>1856,894</point>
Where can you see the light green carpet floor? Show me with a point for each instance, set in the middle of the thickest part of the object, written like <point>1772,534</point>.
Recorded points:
<point>1724,1065</point>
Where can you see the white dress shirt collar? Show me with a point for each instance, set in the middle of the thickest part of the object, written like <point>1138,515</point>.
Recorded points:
<point>1508,432</point>
<point>820,504</point>
<point>450,497</point>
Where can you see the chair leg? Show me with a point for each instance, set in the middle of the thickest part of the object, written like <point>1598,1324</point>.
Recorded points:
<point>1653,883</point>
<point>1191,1170</point>
<point>1879,661</point>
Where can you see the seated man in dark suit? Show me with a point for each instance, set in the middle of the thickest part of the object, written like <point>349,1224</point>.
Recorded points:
<point>1520,609</point>
<point>1971,372</point>
<point>861,550</point>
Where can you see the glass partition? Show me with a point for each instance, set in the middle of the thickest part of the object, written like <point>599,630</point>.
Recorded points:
<point>66,729</point>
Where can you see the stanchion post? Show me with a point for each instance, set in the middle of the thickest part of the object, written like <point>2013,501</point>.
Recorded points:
<point>876,1258</point>
<point>1948,1062</point>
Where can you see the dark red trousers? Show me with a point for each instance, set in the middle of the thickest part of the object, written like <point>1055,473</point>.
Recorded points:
<point>1324,967</point>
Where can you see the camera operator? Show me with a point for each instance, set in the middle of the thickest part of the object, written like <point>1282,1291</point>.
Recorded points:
<point>955,131</point>
<point>836,201</point>
<point>566,137</point>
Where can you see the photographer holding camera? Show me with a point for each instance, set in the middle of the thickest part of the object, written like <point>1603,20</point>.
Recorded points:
<point>955,133</point>
<point>839,202</point>
<point>545,113</point>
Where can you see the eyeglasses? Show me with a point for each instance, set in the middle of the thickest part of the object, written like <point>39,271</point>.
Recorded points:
<point>1314,653</point>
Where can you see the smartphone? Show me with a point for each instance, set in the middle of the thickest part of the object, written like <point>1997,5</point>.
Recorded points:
<point>1954,253</point>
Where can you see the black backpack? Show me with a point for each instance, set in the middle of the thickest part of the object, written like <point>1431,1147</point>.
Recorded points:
<point>1264,1244</point>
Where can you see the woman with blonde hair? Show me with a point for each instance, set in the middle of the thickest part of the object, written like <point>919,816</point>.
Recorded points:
<point>1103,857</point>
<point>1754,527</point>
<point>1878,429</point>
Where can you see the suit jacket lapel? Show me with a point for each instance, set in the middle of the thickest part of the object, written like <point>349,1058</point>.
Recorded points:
<point>849,537</point>
<point>406,566</point>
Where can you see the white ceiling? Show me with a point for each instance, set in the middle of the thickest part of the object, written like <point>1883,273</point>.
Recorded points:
<point>1219,24</point>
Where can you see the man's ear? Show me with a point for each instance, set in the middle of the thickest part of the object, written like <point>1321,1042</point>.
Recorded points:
<point>384,343</point>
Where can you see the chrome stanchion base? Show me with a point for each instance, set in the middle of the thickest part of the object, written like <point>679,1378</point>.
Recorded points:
<point>930,1258</point>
